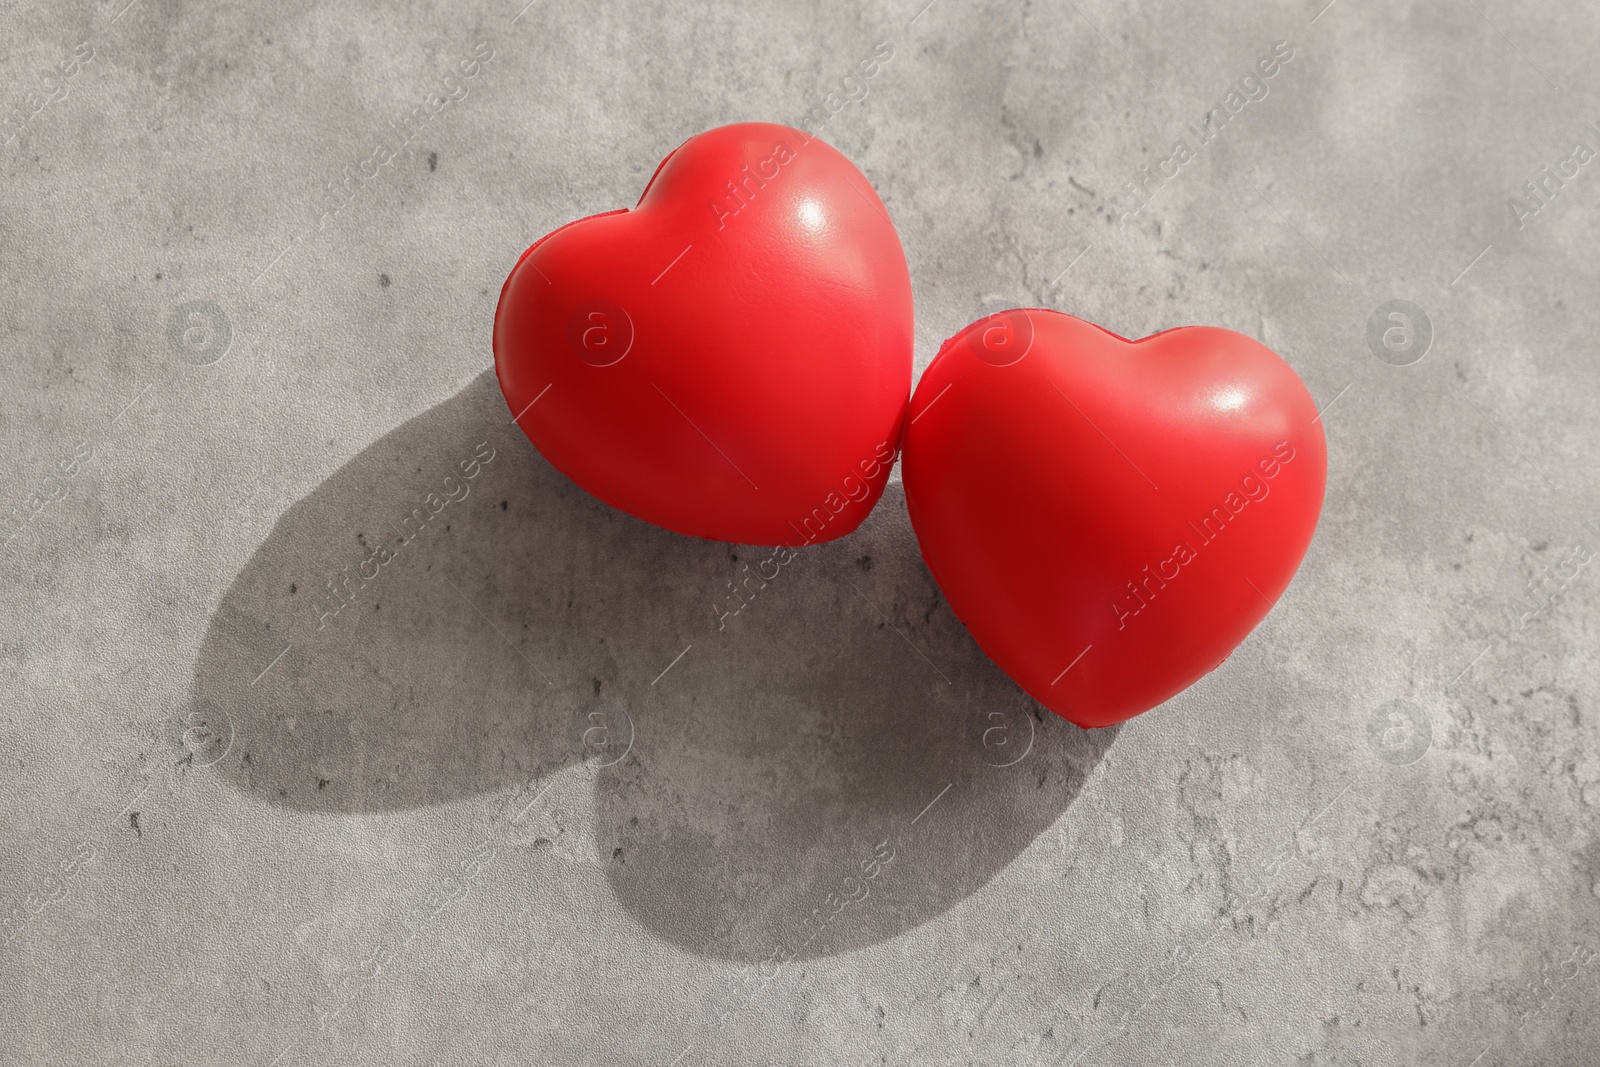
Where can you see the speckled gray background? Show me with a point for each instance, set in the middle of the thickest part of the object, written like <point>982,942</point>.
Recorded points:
<point>523,801</point>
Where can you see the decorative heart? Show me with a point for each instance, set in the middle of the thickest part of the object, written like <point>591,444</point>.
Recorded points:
<point>731,358</point>
<point>1110,518</point>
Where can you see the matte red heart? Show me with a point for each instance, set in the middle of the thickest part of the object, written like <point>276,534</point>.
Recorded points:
<point>1110,518</point>
<point>731,358</point>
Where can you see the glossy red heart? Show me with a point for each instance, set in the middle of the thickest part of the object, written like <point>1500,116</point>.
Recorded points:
<point>1108,517</point>
<point>731,358</point>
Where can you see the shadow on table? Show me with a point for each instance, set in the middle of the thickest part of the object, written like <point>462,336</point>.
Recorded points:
<point>447,616</point>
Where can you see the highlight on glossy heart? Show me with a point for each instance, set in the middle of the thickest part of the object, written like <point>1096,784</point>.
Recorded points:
<point>729,359</point>
<point>1110,518</point>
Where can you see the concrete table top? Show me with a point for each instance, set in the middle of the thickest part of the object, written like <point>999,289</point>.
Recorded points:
<point>515,790</point>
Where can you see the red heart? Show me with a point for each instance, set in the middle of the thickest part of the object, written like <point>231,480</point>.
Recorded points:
<point>1110,518</point>
<point>731,358</point>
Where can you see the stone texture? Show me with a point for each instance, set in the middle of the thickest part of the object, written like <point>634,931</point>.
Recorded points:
<point>528,797</point>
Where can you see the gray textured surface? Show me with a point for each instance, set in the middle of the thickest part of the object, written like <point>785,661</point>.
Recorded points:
<point>1369,838</point>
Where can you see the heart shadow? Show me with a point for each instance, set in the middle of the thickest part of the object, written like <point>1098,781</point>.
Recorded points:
<point>806,754</point>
